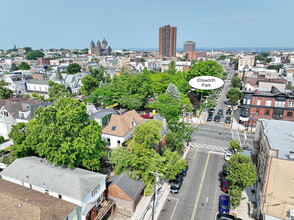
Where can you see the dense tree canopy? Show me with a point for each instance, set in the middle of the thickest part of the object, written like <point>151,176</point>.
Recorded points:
<point>24,66</point>
<point>89,85</point>
<point>206,68</point>
<point>234,95</point>
<point>34,54</point>
<point>4,92</point>
<point>56,90</point>
<point>236,82</point>
<point>61,133</point>
<point>73,68</point>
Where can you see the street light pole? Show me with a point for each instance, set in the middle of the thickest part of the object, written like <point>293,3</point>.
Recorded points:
<point>154,191</point>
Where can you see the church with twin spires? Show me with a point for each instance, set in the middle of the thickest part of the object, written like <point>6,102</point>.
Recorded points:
<point>100,49</point>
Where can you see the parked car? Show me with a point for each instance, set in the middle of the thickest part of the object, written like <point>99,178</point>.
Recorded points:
<point>211,110</point>
<point>224,204</point>
<point>229,111</point>
<point>184,171</point>
<point>176,184</point>
<point>224,216</point>
<point>225,169</point>
<point>147,116</point>
<point>224,185</point>
<point>220,111</point>
<point>228,154</point>
<point>217,117</point>
<point>209,118</point>
<point>228,120</point>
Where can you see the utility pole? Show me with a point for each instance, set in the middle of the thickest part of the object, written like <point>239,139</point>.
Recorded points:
<point>157,175</point>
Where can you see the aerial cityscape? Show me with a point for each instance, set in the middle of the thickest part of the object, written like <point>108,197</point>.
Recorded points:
<point>147,111</point>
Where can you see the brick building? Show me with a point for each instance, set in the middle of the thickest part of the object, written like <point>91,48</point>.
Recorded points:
<point>272,104</point>
<point>167,41</point>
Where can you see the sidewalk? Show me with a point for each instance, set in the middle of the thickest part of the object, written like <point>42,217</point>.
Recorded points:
<point>245,209</point>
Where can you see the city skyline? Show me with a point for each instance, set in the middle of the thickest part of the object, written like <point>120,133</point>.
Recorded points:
<point>72,24</point>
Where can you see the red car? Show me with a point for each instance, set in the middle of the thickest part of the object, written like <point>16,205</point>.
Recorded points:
<point>224,185</point>
<point>147,116</point>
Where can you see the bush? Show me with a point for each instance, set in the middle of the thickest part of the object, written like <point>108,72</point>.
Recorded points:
<point>2,140</point>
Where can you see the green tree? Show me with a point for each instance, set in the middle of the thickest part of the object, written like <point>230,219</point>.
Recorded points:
<point>235,195</point>
<point>236,82</point>
<point>101,96</point>
<point>120,158</point>
<point>172,68</point>
<point>63,134</point>
<point>73,68</point>
<point>13,67</point>
<point>147,135</point>
<point>27,49</point>
<point>275,67</point>
<point>4,92</point>
<point>241,172</point>
<point>34,54</point>
<point>173,91</point>
<point>89,84</point>
<point>24,66</point>
<point>206,68</point>
<point>1,139</point>
<point>56,90</point>
<point>160,81</point>
<point>234,95</point>
<point>235,145</point>
<point>174,142</point>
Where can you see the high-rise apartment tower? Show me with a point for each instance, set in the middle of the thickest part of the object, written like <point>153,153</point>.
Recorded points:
<point>189,46</point>
<point>167,41</point>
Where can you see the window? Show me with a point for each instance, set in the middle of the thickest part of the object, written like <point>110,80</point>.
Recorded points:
<point>118,142</point>
<point>257,111</point>
<point>258,102</point>
<point>279,103</point>
<point>267,112</point>
<point>291,104</point>
<point>244,101</point>
<point>248,101</point>
<point>5,113</point>
<point>95,191</point>
<point>289,114</point>
<point>46,191</point>
<point>59,196</point>
<point>108,141</point>
<point>113,128</point>
<point>21,115</point>
<point>268,102</point>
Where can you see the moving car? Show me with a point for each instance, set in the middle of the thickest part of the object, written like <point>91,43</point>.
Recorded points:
<point>228,120</point>
<point>224,204</point>
<point>217,118</point>
<point>220,111</point>
<point>224,185</point>
<point>228,154</point>
<point>229,111</point>
<point>147,116</point>
<point>209,118</point>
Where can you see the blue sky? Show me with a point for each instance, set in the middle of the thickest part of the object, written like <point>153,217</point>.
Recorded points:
<point>135,23</point>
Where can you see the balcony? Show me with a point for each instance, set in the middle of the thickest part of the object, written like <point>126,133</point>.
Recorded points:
<point>104,207</point>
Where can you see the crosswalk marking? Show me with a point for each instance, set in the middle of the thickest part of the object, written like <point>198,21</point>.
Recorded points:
<point>218,124</point>
<point>208,146</point>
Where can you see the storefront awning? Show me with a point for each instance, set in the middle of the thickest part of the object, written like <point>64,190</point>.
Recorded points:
<point>244,118</point>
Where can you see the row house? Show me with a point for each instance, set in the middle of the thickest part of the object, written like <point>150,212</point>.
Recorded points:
<point>272,104</point>
<point>273,156</point>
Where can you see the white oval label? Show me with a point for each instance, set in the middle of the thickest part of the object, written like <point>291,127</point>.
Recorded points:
<point>206,82</point>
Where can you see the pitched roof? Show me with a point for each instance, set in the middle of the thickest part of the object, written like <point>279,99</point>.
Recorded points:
<point>74,183</point>
<point>19,202</point>
<point>130,186</point>
<point>120,125</point>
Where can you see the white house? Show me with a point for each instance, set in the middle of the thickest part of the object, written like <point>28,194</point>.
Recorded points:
<point>77,186</point>
<point>120,128</point>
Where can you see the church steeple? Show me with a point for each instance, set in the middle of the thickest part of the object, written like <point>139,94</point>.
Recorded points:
<point>58,77</point>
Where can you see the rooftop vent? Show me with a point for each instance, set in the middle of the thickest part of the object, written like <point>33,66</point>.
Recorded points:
<point>19,205</point>
<point>27,176</point>
<point>27,200</point>
<point>60,174</point>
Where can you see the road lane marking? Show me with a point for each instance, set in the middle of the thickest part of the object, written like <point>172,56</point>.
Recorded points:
<point>174,207</point>
<point>215,152</point>
<point>207,199</point>
<point>200,188</point>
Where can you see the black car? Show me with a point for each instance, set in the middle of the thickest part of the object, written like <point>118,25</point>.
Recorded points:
<point>220,111</point>
<point>217,118</point>
<point>229,111</point>
<point>225,169</point>
<point>224,216</point>
<point>228,120</point>
<point>184,171</point>
<point>211,110</point>
<point>209,118</point>
<point>176,184</point>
